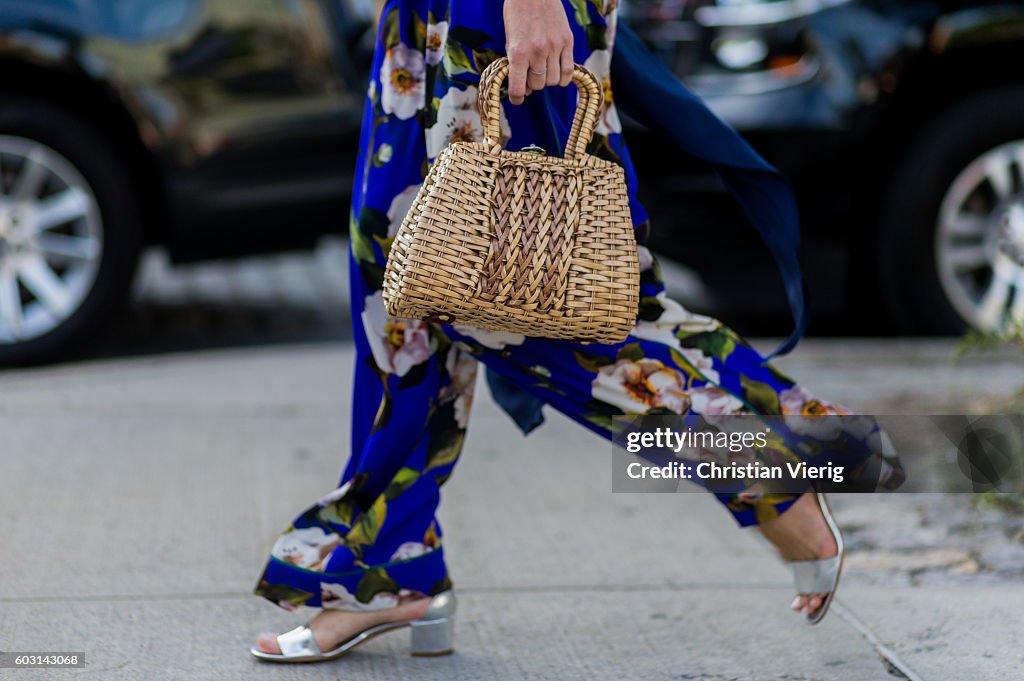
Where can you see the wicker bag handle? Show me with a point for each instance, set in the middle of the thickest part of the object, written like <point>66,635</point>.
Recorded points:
<point>583,123</point>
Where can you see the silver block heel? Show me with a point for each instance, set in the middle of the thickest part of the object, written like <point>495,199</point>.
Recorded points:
<point>434,633</point>
<point>431,635</point>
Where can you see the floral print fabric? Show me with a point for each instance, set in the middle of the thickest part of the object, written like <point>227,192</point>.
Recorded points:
<point>375,539</point>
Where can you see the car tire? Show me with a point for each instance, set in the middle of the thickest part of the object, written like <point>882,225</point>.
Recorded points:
<point>77,153</point>
<point>913,240</point>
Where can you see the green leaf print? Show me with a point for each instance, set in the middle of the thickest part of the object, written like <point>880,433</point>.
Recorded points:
<point>416,375</point>
<point>650,309</point>
<point>362,248</point>
<point>339,512</point>
<point>631,351</point>
<point>385,244</point>
<point>427,116</point>
<point>779,376</point>
<point>483,58</point>
<point>384,409</point>
<point>712,343</point>
<point>403,480</point>
<point>367,527</point>
<point>440,585</point>
<point>596,37</point>
<point>389,32</point>
<point>603,421</point>
<point>686,367</point>
<point>456,60</point>
<point>418,33</point>
<point>371,223</point>
<point>375,581</point>
<point>652,277</point>
<point>282,593</point>
<point>761,396</point>
<point>469,36</point>
<point>373,275</point>
<point>580,12</point>
<point>444,448</point>
<point>592,363</point>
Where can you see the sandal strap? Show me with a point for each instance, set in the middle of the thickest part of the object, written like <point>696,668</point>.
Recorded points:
<point>815,576</point>
<point>298,641</point>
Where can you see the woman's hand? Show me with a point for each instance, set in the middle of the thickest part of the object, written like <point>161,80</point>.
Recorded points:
<point>539,46</point>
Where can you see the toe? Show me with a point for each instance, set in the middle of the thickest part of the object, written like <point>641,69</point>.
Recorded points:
<point>267,642</point>
<point>807,604</point>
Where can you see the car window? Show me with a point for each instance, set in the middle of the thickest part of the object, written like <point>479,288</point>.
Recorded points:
<point>125,19</point>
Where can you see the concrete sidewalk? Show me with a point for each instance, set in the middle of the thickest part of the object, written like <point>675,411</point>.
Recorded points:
<point>138,500</point>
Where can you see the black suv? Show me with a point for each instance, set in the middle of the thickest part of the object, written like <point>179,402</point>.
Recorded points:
<point>900,124</point>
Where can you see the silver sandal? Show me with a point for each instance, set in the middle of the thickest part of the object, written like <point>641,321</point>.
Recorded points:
<point>820,576</point>
<point>430,635</point>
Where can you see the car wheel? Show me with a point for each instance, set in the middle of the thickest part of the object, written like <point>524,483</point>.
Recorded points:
<point>69,232</point>
<point>951,245</point>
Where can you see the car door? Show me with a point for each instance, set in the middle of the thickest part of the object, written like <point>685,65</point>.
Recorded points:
<point>267,150</point>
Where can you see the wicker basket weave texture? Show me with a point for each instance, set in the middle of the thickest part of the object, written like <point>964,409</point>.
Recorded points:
<point>519,242</point>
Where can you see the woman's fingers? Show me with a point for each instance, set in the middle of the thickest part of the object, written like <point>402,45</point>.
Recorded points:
<point>517,68</point>
<point>565,66</point>
<point>537,38</point>
<point>553,68</point>
<point>536,75</point>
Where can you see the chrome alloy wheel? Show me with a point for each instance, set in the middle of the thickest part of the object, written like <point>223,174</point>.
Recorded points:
<point>51,239</point>
<point>979,240</point>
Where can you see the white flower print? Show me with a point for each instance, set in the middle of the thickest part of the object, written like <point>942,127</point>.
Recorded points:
<point>495,340</point>
<point>410,549</point>
<point>710,400</point>
<point>335,494</point>
<point>437,34</point>
<point>701,362</point>
<point>402,75</point>
<point>306,547</point>
<point>682,319</point>
<point>337,597</point>
<point>611,22</point>
<point>804,414</point>
<point>860,427</point>
<point>461,368</point>
<point>400,206</point>
<point>397,344</point>
<point>664,333</point>
<point>641,385</point>
<point>600,62</point>
<point>673,319</point>
<point>458,120</point>
<point>645,257</point>
<point>385,152</point>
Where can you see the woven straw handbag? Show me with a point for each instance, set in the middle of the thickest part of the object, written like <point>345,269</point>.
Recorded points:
<point>518,241</point>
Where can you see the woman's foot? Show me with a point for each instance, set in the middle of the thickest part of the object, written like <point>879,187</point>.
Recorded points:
<point>801,533</point>
<point>332,627</point>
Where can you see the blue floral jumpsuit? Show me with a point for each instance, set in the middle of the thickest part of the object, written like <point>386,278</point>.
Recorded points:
<point>375,538</point>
